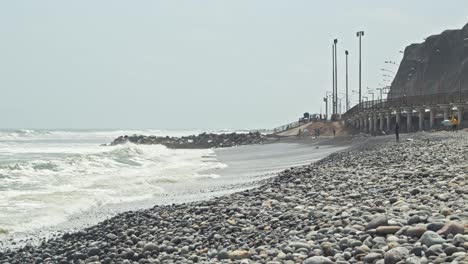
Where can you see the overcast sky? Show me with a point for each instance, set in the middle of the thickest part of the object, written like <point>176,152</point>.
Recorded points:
<point>195,64</point>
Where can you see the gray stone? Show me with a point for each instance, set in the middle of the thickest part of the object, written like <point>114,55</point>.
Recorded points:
<point>223,254</point>
<point>434,250</point>
<point>150,247</point>
<point>395,255</point>
<point>111,236</point>
<point>377,221</point>
<point>435,226</point>
<point>318,260</point>
<point>417,251</point>
<point>460,239</point>
<point>414,220</point>
<point>297,245</point>
<point>413,260</point>
<point>450,250</point>
<point>78,255</point>
<point>430,238</point>
<point>371,257</point>
<point>93,251</point>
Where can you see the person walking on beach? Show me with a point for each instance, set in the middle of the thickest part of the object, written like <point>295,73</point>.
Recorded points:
<point>397,132</point>
<point>454,123</point>
<point>334,132</point>
<point>299,133</point>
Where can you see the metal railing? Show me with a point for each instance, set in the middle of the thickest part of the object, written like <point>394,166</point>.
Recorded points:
<point>409,101</point>
<point>287,126</point>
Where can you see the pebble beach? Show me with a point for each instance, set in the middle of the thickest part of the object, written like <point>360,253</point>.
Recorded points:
<point>377,202</point>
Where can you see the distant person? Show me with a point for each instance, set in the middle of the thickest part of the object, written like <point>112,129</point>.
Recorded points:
<point>334,132</point>
<point>454,123</point>
<point>397,132</point>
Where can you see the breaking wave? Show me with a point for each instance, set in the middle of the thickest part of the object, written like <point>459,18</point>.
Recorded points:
<point>47,176</point>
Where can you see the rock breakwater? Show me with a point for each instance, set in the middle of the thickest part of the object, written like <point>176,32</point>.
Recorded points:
<point>380,202</point>
<point>201,141</point>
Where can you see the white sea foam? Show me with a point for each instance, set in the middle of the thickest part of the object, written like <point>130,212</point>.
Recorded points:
<point>46,176</point>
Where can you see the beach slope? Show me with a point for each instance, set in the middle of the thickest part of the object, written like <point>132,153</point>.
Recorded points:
<point>378,202</point>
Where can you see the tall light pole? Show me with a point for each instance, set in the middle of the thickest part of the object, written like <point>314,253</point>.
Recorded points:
<point>325,99</point>
<point>359,34</point>
<point>347,101</point>
<point>335,103</point>
<point>333,73</point>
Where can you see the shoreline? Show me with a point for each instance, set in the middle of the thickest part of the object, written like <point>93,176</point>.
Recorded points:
<point>237,176</point>
<point>376,201</point>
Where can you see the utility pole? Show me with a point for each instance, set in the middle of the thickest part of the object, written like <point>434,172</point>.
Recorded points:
<point>335,104</point>
<point>333,73</point>
<point>359,34</point>
<point>325,99</point>
<point>347,101</point>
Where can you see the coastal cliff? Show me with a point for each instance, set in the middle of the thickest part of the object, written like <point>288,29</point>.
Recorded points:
<point>438,65</point>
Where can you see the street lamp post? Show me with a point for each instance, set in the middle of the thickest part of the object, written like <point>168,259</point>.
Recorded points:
<point>325,99</point>
<point>333,73</point>
<point>335,103</point>
<point>360,34</point>
<point>347,100</point>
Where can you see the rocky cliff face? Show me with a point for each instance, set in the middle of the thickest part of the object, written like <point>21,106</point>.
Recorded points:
<point>438,65</point>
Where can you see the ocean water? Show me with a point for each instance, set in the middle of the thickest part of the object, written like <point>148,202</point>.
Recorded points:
<point>47,176</point>
<point>57,181</point>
